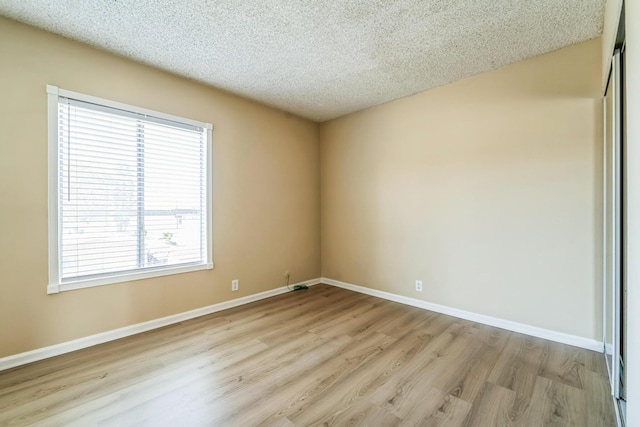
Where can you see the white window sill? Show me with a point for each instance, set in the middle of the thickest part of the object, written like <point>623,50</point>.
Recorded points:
<point>70,285</point>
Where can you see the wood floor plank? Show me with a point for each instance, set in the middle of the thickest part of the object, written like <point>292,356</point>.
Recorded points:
<point>453,347</point>
<point>74,402</point>
<point>349,318</point>
<point>325,356</point>
<point>314,383</point>
<point>493,407</point>
<point>519,364</point>
<point>410,318</point>
<point>437,409</point>
<point>324,311</point>
<point>361,414</point>
<point>565,364</point>
<point>556,404</point>
<point>363,381</point>
<point>598,395</point>
<point>473,365</point>
<point>81,360</point>
<point>232,394</point>
<point>517,369</point>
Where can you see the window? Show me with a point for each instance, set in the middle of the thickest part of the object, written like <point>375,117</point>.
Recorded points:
<point>129,192</point>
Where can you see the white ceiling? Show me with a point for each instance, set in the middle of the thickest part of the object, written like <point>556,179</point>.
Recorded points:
<point>319,59</point>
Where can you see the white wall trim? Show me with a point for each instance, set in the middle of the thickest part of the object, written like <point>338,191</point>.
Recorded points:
<point>80,343</point>
<point>561,337</point>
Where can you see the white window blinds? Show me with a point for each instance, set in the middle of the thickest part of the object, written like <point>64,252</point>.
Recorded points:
<point>132,193</point>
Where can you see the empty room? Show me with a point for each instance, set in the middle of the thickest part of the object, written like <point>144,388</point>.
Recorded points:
<point>270,213</point>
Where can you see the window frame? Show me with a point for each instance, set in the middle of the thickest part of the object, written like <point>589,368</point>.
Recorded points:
<point>55,284</point>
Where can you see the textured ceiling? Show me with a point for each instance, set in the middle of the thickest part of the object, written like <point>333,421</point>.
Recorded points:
<point>319,59</point>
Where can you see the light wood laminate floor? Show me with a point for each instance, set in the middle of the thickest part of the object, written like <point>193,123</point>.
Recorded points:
<point>325,356</point>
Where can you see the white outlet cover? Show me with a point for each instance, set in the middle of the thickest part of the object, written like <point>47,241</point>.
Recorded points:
<point>234,285</point>
<point>419,285</point>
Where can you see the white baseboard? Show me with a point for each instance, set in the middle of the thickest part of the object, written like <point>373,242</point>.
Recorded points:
<point>608,348</point>
<point>561,337</point>
<point>80,343</point>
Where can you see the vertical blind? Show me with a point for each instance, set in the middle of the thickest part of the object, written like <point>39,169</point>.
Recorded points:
<point>131,192</point>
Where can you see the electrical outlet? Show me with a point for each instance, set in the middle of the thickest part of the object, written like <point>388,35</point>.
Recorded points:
<point>286,274</point>
<point>234,285</point>
<point>419,285</point>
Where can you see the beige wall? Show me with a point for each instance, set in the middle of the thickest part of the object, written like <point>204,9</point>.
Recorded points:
<point>488,190</point>
<point>265,195</point>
